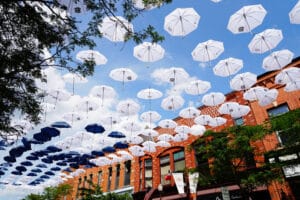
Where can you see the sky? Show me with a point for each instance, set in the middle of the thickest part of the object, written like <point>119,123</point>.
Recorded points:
<point>212,25</point>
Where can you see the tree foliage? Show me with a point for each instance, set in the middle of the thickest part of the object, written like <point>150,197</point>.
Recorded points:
<point>39,33</point>
<point>51,193</point>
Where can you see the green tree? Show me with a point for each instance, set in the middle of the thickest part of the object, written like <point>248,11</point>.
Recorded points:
<point>232,159</point>
<point>52,193</point>
<point>28,29</point>
<point>34,197</point>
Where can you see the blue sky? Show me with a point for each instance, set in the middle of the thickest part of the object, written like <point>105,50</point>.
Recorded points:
<point>212,25</point>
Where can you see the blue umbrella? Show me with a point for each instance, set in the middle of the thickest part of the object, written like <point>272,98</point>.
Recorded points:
<point>55,168</point>
<point>10,159</point>
<point>108,149</point>
<point>32,158</point>
<point>58,156</point>
<point>1,173</point>
<point>31,174</point>
<point>17,151</point>
<point>35,142</point>
<point>47,160</point>
<point>39,153</point>
<point>97,153</point>
<point>41,137</point>
<point>41,166</point>
<point>26,143</point>
<point>94,128</point>
<point>121,145</point>
<point>36,170</point>
<point>74,165</point>
<point>60,124</point>
<point>49,173</point>
<point>6,165</point>
<point>16,172</point>
<point>116,134</point>
<point>26,163</point>
<point>53,149</point>
<point>61,163</point>
<point>45,177</point>
<point>68,169</point>
<point>2,148</point>
<point>52,132</point>
<point>21,168</point>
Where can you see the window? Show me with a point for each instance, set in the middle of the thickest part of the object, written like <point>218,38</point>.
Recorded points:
<point>127,172</point>
<point>117,176</point>
<point>281,109</point>
<point>99,177</point>
<point>148,173</point>
<point>164,168</point>
<point>179,162</point>
<point>109,178</point>
<point>239,121</point>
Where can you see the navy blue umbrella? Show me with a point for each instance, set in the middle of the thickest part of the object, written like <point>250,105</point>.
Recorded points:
<point>2,148</point>
<point>45,177</point>
<point>35,142</point>
<point>116,134</point>
<point>55,168</point>
<point>41,137</point>
<point>10,159</point>
<point>6,165</point>
<point>16,172</point>
<point>61,163</point>
<point>2,173</point>
<point>47,160</point>
<point>17,151</point>
<point>41,166</point>
<point>97,153</point>
<point>53,149</point>
<point>31,174</point>
<point>60,124</point>
<point>68,169</point>
<point>26,163</point>
<point>49,173</point>
<point>52,132</point>
<point>21,168</point>
<point>26,143</point>
<point>36,170</point>
<point>94,128</point>
<point>108,149</point>
<point>32,158</point>
<point>74,165</point>
<point>121,145</point>
<point>3,168</point>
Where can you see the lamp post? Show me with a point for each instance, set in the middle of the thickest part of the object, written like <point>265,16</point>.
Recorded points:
<point>160,189</point>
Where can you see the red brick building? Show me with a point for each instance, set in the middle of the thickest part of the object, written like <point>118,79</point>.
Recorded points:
<point>144,174</point>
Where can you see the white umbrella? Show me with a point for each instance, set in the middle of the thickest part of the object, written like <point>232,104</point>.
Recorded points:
<point>148,52</point>
<point>163,144</point>
<point>277,60</point>
<point>149,94</point>
<point>213,99</point>
<point>91,55</point>
<point>172,102</point>
<point>268,97</point>
<point>101,161</point>
<point>175,74</point>
<point>167,123</point>
<point>197,130</point>
<point>294,14</point>
<point>292,86</point>
<point>246,19</point>
<point>47,107</point>
<point>125,155</point>
<point>149,146</point>
<point>243,81</point>
<point>181,21</point>
<point>180,137</point>
<point>72,117</point>
<point>136,150</point>
<point>228,108</point>
<point>103,91</point>
<point>150,116</point>
<point>217,121</point>
<point>287,75</point>
<point>74,78</point>
<point>255,93</point>
<point>59,95</point>
<point>128,107</point>
<point>228,67</point>
<point>189,112</point>
<point>197,87</point>
<point>265,41</point>
<point>123,75</point>
<point>182,129</point>
<point>241,111</point>
<point>165,137</point>
<point>115,28</point>
<point>135,139</point>
<point>87,104</point>
<point>207,51</point>
<point>141,5</point>
<point>131,127</point>
<point>203,120</point>
<point>149,132</point>
<point>110,120</point>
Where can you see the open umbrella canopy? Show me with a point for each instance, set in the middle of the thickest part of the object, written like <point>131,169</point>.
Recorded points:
<point>52,132</point>
<point>167,123</point>
<point>9,159</point>
<point>150,116</point>
<point>243,81</point>
<point>181,21</point>
<point>108,149</point>
<point>197,87</point>
<point>26,163</point>
<point>277,60</point>
<point>103,92</point>
<point>123,75</point>
<point>246,19</point>
<point>17,151</point>
<point>60,124</point>
<point>217,121</point>
<point>292,86</point>
<point>228,67</point>
<point>31,174</point>
<point>121,145</point>
<point>175,75</point>
<point>136,150</point>
<point>189,112</point>
<point>128,107</point>
<point>197,130</point>
<point>148,52</point>
<point>115,28</point>
<point>91,55</point>
<point>172,102</point>
<point>97,153</point>
<point>53,149</point>
<point>213,99</point>
<point>49,173</point>
<point>288,75</point>
<point>294,14</point>
<point>135,139</point>
<point>207,51</point>
<point>94,128</point>
<point>203,120</point>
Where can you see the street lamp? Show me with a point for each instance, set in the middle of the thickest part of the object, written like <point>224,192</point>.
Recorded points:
<point>160,189</point>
